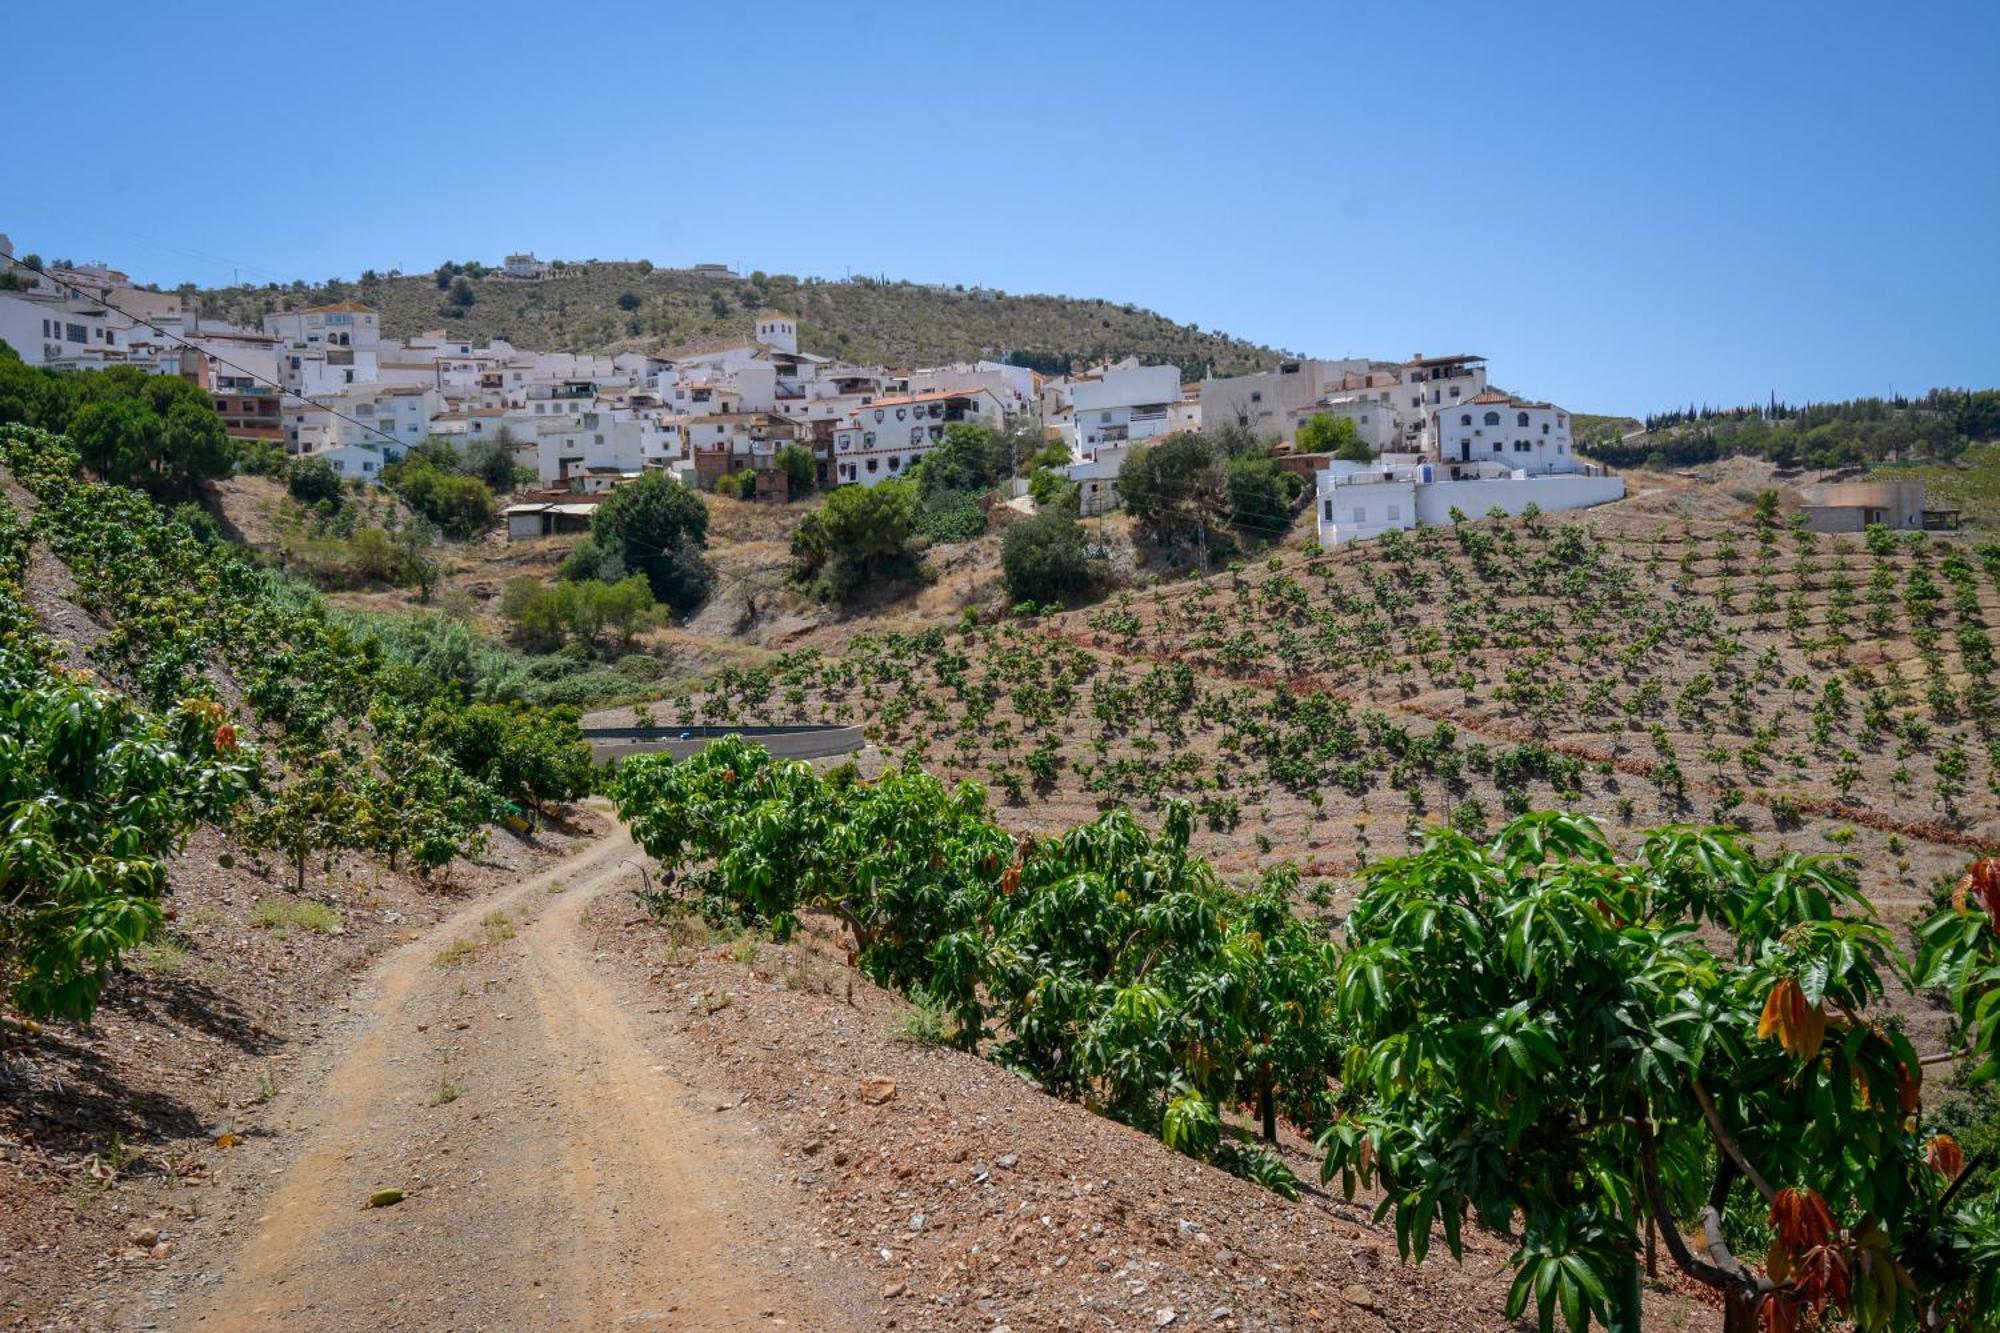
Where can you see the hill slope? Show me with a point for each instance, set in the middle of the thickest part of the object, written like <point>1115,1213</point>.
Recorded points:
<point>889,323</point>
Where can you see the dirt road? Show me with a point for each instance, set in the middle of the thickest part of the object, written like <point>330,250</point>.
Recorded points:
<point>557,1173</point>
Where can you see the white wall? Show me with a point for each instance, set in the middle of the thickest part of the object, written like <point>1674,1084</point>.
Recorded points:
<point>1474,498</point>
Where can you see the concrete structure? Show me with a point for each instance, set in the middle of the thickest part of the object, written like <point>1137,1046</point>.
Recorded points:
<point>1854,505</point>
<point>805,741</point>
<point>1270,403</point>
<point>1357,501</point>
<point>523,266</point>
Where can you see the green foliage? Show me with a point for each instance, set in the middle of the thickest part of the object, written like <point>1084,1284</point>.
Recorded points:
<point>461,506</point>
<point>531,757</point>
<point>313,481</point>
<point>860,540</point>
<point>1819,435</point>
<point>1044,561</point>
<point>1112,964</point>
<point>659,528</point>
<point>954,476</point>
<point>546,616</point>
<point>1324,434</point>
<point>800,469</point>
<point>94,792</point>
<point>356,733</point>
<point>1176,490</point>
<point>158,432</point>
<point>1603,1065</point>
<point>1259,503</point>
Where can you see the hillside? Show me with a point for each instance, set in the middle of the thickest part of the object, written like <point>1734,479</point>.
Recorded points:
<point>578,308</point>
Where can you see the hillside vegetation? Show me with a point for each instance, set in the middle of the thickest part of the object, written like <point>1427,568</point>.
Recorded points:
<point>603,306</point>
<point>1938,425</point>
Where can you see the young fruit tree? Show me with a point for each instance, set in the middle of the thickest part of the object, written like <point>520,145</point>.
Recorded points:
<point>1572,1049</point>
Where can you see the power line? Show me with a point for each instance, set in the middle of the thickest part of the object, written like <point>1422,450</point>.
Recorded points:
<point>84,295</point>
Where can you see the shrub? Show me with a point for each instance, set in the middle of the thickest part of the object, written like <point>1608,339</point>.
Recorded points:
<point>313,481</point>
<point>1043,559</point>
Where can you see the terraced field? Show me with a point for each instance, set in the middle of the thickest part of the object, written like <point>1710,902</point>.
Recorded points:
<point>1829,694</point>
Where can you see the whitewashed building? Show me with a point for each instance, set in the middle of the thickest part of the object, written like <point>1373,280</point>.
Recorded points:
<point>1495,427</point>
<point>1357,501</point>
<point>891,435</point>
<point>1122,406</point>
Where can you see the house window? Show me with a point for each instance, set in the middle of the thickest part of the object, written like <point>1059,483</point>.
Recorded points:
<point>1492,418</point>
<point>1454,391</point>
<point>1395,513</point>
<point>1256,396</point>
<point>76,333</point>
<point>1497,446</point>
<point>916,434</point>
<point>1360,514</point>
<point>895,461</point>
<point>1521,419</point>
<point>1328,507</point>
<point>871,465</point>
<point>1465,419</point>
<point>1545,428</point>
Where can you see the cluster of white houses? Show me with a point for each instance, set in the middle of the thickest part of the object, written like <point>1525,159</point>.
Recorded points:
<point>326,383</point>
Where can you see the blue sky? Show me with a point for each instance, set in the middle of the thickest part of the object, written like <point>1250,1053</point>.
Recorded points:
<point>1623,206</point>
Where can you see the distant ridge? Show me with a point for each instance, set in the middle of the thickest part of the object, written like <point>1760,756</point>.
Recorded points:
<point>586,307</point>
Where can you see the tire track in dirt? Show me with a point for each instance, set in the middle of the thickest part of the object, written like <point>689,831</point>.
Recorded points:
<point>558,1174</point>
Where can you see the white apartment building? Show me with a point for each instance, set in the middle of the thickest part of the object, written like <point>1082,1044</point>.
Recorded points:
<point>891,435</point>
<point>1121,406</point>
<point>325,349</point>
<point>1017,387</point>
<point>389,419</point>
<point>606,444</point>
<point>53,331</point>
<point>1492,426</point>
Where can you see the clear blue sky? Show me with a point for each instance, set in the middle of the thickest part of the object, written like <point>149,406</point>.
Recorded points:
<point>1625,206</point>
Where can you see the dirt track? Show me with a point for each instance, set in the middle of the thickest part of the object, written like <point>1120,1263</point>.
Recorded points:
<point>557,1171</point>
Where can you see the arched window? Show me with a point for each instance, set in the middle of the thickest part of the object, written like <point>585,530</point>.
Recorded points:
<point>1492,418</point>
<point>1464,418</point>
<point>1520,418</point>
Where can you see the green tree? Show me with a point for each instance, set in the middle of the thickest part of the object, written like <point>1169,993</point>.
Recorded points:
<point>861,539</point>
<point>1326,434</point>
<point>628,301</point>
<point>462,507</point>
<point>1175,489</point>
<point>95,794</point>
<point>657,527</point>
<point>1603,1066</point>
<point>316,810</point>
<point>1043,559</point>
<point>1258,504</point>
<point>801,472</point>
<point>313,480</point>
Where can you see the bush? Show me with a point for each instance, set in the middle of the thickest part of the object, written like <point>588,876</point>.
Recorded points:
<point>461,506</point>
<point>862,537</point>
<point>313,481</point>
<point>546,616</point>
<point>1043,559</point>
<point>659,528</point>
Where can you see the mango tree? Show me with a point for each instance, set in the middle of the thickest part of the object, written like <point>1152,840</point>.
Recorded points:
<point>1569,1048</point>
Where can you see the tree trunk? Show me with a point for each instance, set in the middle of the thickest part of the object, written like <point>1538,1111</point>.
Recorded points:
<point>1623,1314</point>
<point>300,862</point>
<point>1739,1311</point>
<point>1268,1104</point>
